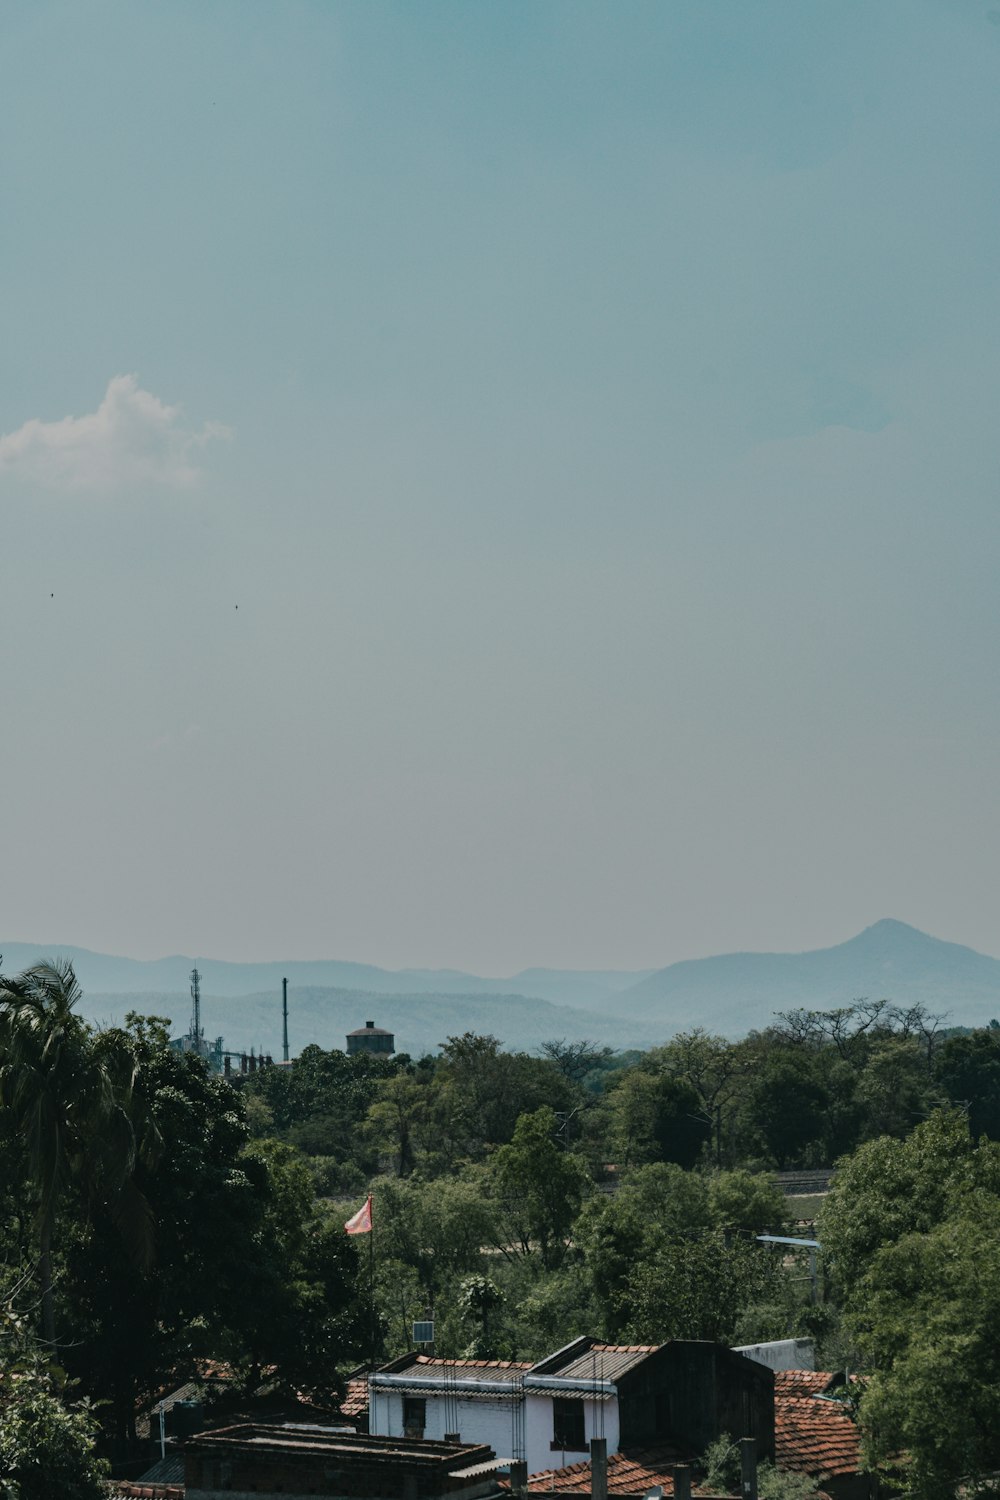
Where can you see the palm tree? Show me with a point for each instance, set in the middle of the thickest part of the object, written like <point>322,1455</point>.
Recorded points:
<point>69,1100</point>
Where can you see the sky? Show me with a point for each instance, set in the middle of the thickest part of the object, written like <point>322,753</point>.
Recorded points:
<point>489,485</point>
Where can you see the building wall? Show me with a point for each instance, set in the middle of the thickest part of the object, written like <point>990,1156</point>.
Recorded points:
<point>371,1042</point>
<point>496,1423</point>
<point>479,1421</point>
<point>782,1354</point>
<point>600,1419</point>
<point>705,1390</point>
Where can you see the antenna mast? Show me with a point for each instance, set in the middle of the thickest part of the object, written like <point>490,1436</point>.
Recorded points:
<point>284,1017</point>
<point>196,1010</point>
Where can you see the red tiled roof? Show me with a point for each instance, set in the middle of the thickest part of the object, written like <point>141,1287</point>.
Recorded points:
<point>356,1398</point>
<point>802,1382</point>
<point>814,1435</point>
<point>629,1473</point>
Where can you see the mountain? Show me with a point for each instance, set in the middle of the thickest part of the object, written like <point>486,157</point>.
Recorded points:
<point>109,975</point>
<point>736,992</point>
<point>729,994</point>
<point>420,1022</point>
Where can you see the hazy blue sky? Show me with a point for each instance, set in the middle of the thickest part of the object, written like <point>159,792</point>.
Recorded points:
<point>498,484</point>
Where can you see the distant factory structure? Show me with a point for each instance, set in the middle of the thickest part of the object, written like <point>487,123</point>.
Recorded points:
<point>235,1065</point>
<point>193,1039</point>
<point>370,1038</point>
<point>214,1054</point>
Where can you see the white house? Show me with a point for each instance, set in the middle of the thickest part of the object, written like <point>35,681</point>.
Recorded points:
<point>684,1393</point>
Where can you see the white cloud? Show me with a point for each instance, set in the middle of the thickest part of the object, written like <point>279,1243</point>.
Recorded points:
<point>133,438</point>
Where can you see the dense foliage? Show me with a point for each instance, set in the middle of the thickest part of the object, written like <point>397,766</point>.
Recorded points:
<point>519,1201</point>
<point>913,1231</point>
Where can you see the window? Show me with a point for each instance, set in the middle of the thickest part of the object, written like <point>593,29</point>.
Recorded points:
<point>567,1425</point>
<point>414,1416</point>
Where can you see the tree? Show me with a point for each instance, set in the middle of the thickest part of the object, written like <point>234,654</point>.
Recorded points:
<point>655,1203</point>
<point>47,1441</point>
<point>911,1231</point>
<point>895,1089</point>
<point>398,1115</point>
<point>575,1060</point>
<point>723,1474</point>
<point>697,1288</point>
<point>481,1091</point>
<point>46,1447</point>
<point>925,1317</point>
<point>538,1186</point>
<point>715,1069</point>
<point>786,1105</point>
<point>70,1102</point>
<point>968,1070</point>
<point>891,1188</point>
<point>746,1200</point>
<point>479,1298</point>
<point>656,1117</point>
<point>245,1266</point>
<point>433,1228</point>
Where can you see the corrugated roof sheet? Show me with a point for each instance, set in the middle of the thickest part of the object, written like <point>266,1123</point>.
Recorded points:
<point>428,1366</point>
<point>166,1470</point>
<point>814,1435</point>
<point>601,1361</point>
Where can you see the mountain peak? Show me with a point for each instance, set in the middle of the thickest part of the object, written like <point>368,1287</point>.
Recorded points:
<point>892,936</point>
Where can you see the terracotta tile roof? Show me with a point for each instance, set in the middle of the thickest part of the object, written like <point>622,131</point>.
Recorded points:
<point>629,1473</point>
<point>814,1435</point>
<point>802,1382</point>
<point>355,1402</point>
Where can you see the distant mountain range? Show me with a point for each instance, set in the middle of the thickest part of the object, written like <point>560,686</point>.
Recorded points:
<point>730,994</point>
<point>590,988</point>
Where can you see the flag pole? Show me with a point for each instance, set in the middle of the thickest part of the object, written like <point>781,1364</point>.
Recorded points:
<point>363,1223</point>
<point>371,1281</point>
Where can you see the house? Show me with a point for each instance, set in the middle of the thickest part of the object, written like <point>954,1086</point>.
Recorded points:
<point>420,1396</point>
<point>814,1436</point>
<point>294,1461</point>
<point>684,1393</point>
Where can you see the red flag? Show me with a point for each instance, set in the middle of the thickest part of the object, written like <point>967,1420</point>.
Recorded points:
<point>361,1222</point>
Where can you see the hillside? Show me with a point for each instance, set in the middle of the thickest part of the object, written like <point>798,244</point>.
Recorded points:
<point>420,1022</point>
<point>108,974</point>
<point>729,994</point>
<point>738,991</point>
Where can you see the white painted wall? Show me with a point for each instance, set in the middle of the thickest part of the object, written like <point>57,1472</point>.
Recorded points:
<point>538,1431</point>
<point>480,1421</point>
<point>486,1421</point>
